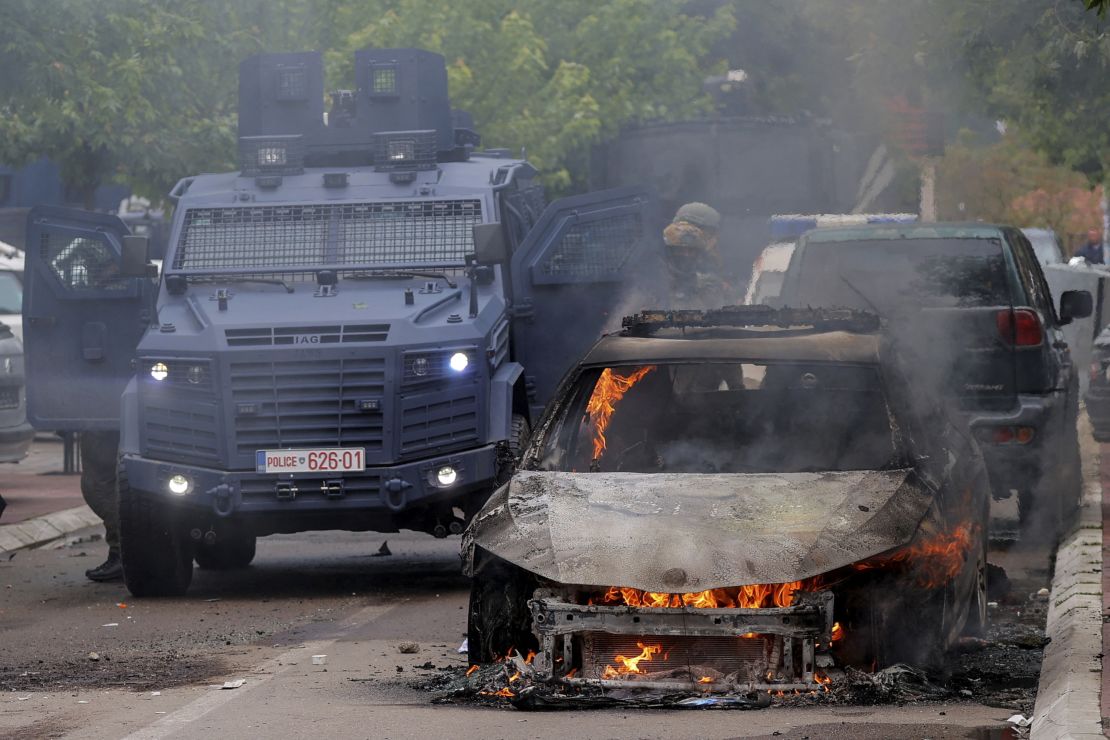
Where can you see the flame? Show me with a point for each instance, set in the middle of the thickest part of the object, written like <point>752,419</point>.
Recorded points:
<point>530,658</point>
<point>571,672</point>
<point>632,665</point>
<point>837,631</point>
<point>515,677</point>
<point>936,560</point>
<point>609,390</point>
<point>471,669</point>
<point>758,596</point>
<point>705,679</point>
<point>503,692</point>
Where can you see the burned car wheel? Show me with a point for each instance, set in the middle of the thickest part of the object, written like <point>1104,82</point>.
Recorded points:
<point>226,554</point>
<point>155,548</point>
<point>499,619</point>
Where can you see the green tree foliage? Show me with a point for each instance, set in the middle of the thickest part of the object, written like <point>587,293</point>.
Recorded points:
<point>137,91</point>
<point>552,77</point>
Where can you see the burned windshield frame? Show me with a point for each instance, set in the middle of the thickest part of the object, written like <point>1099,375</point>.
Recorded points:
<point>570,436</point>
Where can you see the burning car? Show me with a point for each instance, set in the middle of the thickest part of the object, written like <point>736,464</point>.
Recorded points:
<point>732,500</point>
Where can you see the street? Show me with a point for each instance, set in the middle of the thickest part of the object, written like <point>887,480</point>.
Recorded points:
<point>85,660</point>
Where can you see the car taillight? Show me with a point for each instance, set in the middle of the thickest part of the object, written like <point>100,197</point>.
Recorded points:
<point>1005,435</point>
<point>1020,327</point>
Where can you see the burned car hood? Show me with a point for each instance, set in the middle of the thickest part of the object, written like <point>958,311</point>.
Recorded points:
<point>670,532</point>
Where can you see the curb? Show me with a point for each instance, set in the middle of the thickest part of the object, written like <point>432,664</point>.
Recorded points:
<point>43,529</point>
<point>1068,693</point>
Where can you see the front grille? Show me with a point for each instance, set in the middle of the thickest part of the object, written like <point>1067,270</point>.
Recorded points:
<point>307,335</point>
<point>270,238</point>
<point>307,403</point>
<point>265,489</point>
<point>9,397</point>
<point>180,430</point>
<point>747,657</point>
<point>439,419</point>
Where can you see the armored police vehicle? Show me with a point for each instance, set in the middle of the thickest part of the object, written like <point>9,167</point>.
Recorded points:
<point>352,332</point>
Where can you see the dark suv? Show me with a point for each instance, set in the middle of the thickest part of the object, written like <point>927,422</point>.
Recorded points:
<point>970,303</point>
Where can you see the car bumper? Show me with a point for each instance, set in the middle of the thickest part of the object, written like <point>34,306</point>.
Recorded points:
<point>1017,466</point>
<point>15,441</point>
<point>386,489</point>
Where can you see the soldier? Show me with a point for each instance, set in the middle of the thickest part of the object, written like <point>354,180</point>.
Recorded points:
<point>99,455</point>
<point>693,262</point>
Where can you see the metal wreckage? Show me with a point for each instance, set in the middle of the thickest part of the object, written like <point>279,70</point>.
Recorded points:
<point>724,506</point>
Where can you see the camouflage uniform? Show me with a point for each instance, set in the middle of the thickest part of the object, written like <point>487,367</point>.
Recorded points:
<point>693,263</point>
<point>99,456</point>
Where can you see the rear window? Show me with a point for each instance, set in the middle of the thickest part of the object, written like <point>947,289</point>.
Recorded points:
<point>880,274</point>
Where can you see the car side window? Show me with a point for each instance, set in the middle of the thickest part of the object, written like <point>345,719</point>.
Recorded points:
<point>1032,277</point>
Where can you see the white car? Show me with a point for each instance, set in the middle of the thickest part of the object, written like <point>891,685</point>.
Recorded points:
<point>11,288</point>
<point>15,433</point>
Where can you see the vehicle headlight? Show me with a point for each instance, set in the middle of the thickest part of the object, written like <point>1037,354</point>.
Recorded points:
<point>159,371</point>
<point>179,485</point>
<point>458,362</point>
<point>446,476</point>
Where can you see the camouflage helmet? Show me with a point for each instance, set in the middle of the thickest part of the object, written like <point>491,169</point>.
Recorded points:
<point>699,214</point>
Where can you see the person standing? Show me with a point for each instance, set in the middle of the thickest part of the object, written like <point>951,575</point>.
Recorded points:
<point>1094,251</point>
<point>693,260</point>
<point>99,460</point>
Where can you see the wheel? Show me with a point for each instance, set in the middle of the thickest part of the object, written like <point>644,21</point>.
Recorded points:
<point>513,448</point>
<point>155,548</point>
<point>226,554</point>
<point>499,619</point>
<point>519,432</point>
<point>976,625</point>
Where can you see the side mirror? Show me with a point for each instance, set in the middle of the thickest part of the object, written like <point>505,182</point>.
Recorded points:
<point>134,256</point>
<point>490,246</point>
<point>1075,304</point>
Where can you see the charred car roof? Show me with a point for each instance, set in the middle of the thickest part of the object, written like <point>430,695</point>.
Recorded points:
<point>827,346</point>
<point>742,333</point>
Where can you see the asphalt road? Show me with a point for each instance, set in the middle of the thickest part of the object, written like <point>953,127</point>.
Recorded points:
<point>158,662</point>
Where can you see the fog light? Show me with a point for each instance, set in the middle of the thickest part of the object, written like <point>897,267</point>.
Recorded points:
<point>159,371</point>
<point>178,485</point>
<point>459,361</point>
<point>446,475</point>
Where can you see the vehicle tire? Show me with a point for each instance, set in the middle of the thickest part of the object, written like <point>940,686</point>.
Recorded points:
<point>227,554</point>
<point>1071,479</point>
<point>977,620</point>
<point>499,619</point>
<point>519,432</point>
<point>155,548</point>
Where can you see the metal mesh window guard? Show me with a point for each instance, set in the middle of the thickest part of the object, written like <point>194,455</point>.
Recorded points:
<point>594,250</point>
<point>82,264</point>
<point>271,238</point>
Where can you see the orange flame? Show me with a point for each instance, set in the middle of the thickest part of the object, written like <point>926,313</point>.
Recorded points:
<point>758,596</point>
<point>530,658</point>
<point>571,672</point>
<point>705,679</point>
<point>632,665</point>
<point>936,560</point>
<point>471,669</point>
<point>514,677</point>
<point>837,631</point>
<point>609,390</point>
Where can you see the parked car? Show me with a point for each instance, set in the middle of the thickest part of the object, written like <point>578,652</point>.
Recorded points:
<point>1098,390</point>
<point>709,505</point>
<point>15,433</point>
<point>971,302</point>
<point>11,288</point>
<point>1046,245</point>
